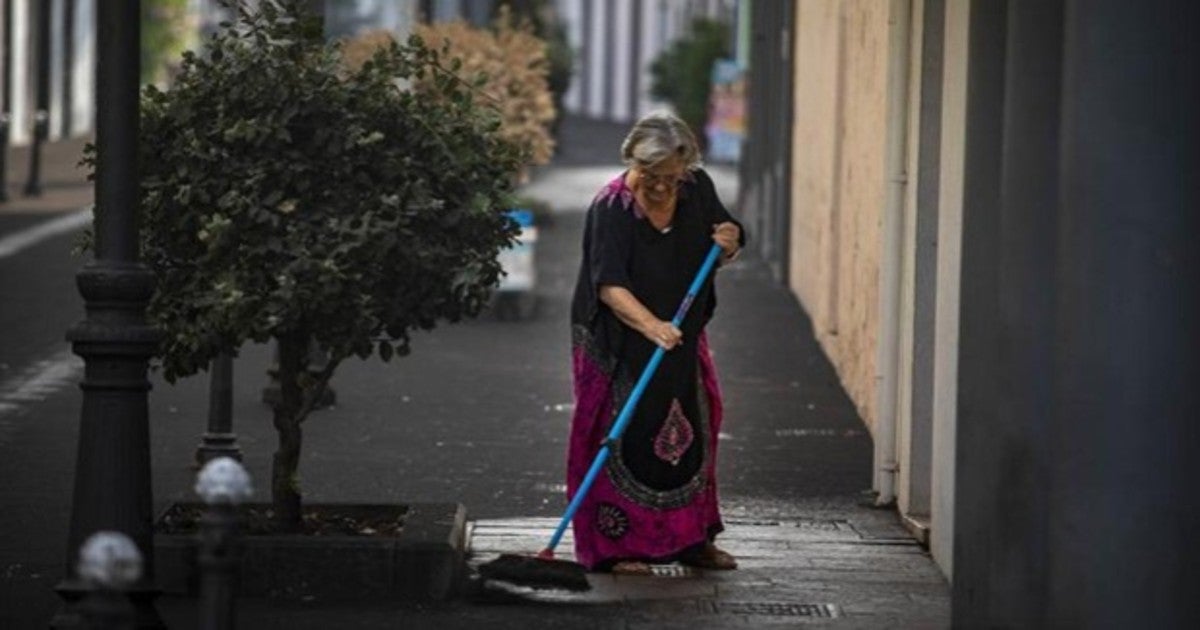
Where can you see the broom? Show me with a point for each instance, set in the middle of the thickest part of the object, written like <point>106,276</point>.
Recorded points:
<point>543,570</point>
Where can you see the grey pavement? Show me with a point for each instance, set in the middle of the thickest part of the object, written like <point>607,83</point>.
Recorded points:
<point>478,414</point>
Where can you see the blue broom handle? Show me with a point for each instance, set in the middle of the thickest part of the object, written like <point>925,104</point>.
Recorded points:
<point>627,411</point>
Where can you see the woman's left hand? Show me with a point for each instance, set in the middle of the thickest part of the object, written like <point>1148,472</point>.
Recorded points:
<point>727,235</point>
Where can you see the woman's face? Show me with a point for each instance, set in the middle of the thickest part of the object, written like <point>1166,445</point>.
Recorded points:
<point>660,182</point>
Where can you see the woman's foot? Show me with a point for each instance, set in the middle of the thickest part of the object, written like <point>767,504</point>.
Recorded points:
<point>709,557</point>
<point>631,567</point>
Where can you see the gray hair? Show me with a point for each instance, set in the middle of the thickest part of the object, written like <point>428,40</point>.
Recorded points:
<point>658,136</point>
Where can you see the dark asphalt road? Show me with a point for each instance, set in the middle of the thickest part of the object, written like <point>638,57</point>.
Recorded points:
<point>38,298</point>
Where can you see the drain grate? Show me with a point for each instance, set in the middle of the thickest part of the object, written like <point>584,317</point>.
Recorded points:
<point>770,609</point>
<point>811,432</point>
<point>820,525</point>
<point>750,522</point>
<point>825,525</point>
<point>671,571</point>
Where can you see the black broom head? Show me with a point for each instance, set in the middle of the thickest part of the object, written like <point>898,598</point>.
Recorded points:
<point>536,572</point>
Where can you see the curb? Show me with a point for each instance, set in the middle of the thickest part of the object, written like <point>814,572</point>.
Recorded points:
<point>424,564</point>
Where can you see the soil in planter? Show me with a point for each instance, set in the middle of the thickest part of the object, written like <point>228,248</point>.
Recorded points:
<point>317,520</point>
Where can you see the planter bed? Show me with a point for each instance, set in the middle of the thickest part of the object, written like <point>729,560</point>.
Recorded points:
<point>422,559</point>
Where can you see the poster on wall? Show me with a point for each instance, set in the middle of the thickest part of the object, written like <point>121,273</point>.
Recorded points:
<point>726,112</point>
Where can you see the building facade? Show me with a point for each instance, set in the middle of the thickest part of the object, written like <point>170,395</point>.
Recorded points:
<point>615,42</point>
<point>48,45</point>
<point>988,203</point>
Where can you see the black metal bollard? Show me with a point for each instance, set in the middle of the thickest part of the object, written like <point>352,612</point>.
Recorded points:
<point>219,440</point>
<point>109,562</point>
<point>223,484</point>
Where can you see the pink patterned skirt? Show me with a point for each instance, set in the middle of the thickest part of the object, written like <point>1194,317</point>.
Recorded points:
<point>624,517</point>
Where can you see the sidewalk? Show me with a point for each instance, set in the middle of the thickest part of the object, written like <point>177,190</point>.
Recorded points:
<point>819,555</point>
<point>64,183</point>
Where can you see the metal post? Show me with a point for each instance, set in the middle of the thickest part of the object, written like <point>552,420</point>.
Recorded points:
<point>106,609</point>
<point>223,484</point>
<point>41,117</point>
<point>110,563</point>
<point>218,567</point>
<point>112,470</point>
<point>219,440</point>
<point>5,97</point>
<point>68,74</point>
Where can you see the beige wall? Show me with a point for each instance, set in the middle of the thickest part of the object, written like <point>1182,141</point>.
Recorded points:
<point>816,94</point>
<point>839,188</point>
<point>838,181</point>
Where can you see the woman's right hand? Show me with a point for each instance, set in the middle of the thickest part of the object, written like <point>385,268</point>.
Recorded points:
<point>632,313</point>
<point>664,334</point>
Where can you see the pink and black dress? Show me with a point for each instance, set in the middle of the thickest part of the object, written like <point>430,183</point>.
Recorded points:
<point>657,496</point>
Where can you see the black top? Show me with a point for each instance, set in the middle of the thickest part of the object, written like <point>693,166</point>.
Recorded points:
<point>622,248</point>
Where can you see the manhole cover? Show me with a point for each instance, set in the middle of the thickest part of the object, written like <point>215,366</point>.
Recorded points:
<point>771,609</point>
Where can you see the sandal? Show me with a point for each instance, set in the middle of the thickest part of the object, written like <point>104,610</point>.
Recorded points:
<point>631,567</point>
<point>709,557</point>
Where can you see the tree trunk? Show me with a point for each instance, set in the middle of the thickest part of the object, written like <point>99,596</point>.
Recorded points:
<point>285,485</point>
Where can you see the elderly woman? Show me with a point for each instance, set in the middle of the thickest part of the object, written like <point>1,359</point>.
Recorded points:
<point>647,233</point>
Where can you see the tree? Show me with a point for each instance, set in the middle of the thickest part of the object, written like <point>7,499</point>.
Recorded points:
<point>285,196</point>
<point>164,28</point>
<point>547,26</point>
<point>516,68</point>
<point>682,73</point>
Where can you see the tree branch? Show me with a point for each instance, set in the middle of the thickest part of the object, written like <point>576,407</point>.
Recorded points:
<point>314,393</point>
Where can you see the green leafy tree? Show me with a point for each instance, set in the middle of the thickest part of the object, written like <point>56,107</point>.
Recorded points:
<point>682,73</point>
<point>164,27</point>
<point>285,196</point>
